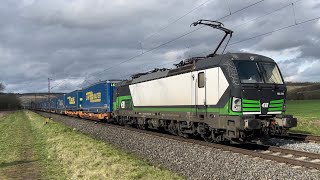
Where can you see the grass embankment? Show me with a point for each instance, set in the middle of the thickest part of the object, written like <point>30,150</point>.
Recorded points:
<point>17,158</point>
<point>308,114</point>
<point>54,151</point>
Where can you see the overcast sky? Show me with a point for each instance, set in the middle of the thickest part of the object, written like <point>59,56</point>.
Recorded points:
<point>73,41</point>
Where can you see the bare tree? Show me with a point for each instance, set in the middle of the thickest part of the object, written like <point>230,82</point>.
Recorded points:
<point>2,87</point>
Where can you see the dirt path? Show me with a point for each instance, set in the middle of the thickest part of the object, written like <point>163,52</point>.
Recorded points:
<point>16,159</point>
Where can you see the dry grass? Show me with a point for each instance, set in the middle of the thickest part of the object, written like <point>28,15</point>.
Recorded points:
<point>291,88</point>
<point>83,157</point>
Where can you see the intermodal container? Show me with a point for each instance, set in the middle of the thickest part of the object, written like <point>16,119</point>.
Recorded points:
<point>98,97</point>
<point>44,105</point>
<point>73,100</point>
<point>61,102</point>
<point>53,103</point>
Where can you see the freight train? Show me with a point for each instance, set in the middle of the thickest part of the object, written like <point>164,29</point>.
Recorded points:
<point>237,97</point>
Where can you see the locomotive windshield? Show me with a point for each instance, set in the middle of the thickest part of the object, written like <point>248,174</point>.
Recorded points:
<point>258,72</point>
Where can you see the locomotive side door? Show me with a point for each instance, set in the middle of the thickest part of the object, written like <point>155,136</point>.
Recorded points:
<point>200,94</point>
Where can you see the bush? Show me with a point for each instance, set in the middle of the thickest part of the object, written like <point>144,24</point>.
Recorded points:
<point>9,102</point>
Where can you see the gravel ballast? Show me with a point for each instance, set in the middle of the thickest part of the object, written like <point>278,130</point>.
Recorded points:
<point>190,160</point>
<point>295,145</point>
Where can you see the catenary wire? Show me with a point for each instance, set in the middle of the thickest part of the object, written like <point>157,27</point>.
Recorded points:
<point>174,21</point>
<point>178,37</point>
<point>251,20</point>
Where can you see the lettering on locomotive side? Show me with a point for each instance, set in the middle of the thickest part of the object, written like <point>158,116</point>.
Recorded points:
<point>93,97</point>
<point>72,100</point>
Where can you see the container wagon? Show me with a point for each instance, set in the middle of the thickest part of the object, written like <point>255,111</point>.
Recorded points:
<point>98,100</point>
<point>73,103</point>
<point>61,104</point>
<point>53,104</point>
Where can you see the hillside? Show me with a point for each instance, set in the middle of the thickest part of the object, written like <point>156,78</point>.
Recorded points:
<point>303,90</point>
<point>27,98</point>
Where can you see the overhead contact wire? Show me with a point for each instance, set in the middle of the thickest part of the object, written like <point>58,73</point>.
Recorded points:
<point>183,35</point>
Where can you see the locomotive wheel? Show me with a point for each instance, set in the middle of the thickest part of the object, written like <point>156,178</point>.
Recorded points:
<point>208,137</point>
<point>141,126</point>
<point>181,133</point>
<point>173,128</point>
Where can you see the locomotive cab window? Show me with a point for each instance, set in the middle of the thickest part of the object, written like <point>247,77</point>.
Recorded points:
<point>248,72</point>
<point>258,72</point>
<point>271,73</point>
<point>201,79</point>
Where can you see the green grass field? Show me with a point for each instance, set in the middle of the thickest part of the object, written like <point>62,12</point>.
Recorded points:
<point>308,114</point>
<point>31,149</point>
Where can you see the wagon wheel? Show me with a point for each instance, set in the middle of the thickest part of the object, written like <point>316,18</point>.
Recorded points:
<point>142,126</point>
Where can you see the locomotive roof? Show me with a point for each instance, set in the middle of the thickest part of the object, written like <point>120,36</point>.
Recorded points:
<point>198,65</point>
<point>221,59</point>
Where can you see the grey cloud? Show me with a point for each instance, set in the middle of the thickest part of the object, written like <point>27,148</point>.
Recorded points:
<point>70,41</point>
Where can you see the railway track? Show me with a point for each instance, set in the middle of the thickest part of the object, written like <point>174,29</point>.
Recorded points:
<point>281,155</point>
<point>300,137</point>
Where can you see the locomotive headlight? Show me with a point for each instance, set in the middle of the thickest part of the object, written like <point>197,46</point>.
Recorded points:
<point>236,104</point>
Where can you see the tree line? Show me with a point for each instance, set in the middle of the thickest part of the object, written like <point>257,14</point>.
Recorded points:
<point>8,101</point>
<point>303,91</point>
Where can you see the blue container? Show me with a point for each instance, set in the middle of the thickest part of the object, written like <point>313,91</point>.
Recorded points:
<point>98,97</point>
<point>53,104</point>
<point>73,100</point>
<point>61,102</point>
<point>39,105</point>
<point>44,105</point>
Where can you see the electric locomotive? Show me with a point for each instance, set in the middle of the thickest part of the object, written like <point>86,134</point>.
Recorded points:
<point>237,97</point>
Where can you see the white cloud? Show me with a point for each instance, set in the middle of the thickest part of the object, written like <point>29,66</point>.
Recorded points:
<point>175,54</point>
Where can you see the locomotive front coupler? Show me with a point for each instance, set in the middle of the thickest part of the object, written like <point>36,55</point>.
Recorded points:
<point>286,121</point>
<point>251,124</point>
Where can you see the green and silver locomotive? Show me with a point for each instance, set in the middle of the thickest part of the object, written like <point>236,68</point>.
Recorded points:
<point>231,97</point>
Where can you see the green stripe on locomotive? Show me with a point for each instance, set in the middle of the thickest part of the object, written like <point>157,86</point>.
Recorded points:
<point>247,106</point>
